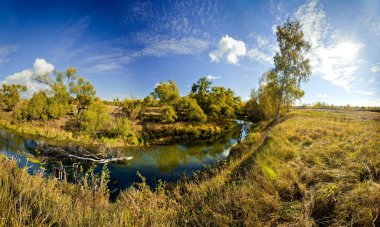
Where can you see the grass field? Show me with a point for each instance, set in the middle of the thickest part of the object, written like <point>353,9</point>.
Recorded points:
<point>315,167</point>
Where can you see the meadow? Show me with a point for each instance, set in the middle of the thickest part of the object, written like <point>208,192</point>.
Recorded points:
<point>316,167</point>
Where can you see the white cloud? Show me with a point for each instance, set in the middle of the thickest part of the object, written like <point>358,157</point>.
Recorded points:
<point>41,66</point>
<point>262,41</point>
<point>321,96</point>
<point>26,77</point>
<point>376,28</point>
<point>375,68</point>
<point>162,47</point>
<point>230,49</point>
<point>5,51</point>
<point>336,63</point>
<point>211,77</point>
<point>313,21</point>
<point>365,92</point>
<point>334,60</point>
<point>259,55</point>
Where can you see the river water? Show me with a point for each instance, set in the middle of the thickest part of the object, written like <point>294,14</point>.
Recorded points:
<point>165,162</point>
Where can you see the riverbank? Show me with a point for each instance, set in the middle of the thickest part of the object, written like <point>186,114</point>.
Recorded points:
<point>143,135</point>
<point>314,167</point>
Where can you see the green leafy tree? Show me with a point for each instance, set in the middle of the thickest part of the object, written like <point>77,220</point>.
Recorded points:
<point>37,107</point>
<point>200,92</point>
<point>291,67</point>
<point>167,93</point>
<point>85,94</point>
<point>251,107</point>
<point>223,104</point>
<point>95,119</point>
<point>10,95</point>
<point>189,110</point>
<point>168,114</point>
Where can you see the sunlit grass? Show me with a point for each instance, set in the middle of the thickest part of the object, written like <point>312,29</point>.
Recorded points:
<point>315,167</point>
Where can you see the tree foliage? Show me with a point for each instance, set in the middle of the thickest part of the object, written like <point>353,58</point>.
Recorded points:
<point>200,92</point>
<point>168,114</point>
<point>85,94</point>
<point>167,93</point>
<point>37,107</point>
<point>223,104</point>
<point>10,95</point>
<point>291,67</point>
<point>95,118</point>
<point>189,110</point>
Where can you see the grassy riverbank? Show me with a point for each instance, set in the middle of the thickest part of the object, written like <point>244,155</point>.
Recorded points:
<point>315,167</point>
<point>141,133</point>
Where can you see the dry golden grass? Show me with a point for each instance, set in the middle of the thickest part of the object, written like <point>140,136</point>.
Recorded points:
<point>315,167</point>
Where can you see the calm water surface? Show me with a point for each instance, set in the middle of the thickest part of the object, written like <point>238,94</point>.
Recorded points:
<point>165,162</point>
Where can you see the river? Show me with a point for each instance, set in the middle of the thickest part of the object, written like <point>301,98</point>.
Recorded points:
<point>165,162</point>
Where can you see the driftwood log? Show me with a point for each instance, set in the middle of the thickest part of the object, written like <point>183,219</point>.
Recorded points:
<point>78,153</point>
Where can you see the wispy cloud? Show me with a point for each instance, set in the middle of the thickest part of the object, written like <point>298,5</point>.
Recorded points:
<point>376,28</point>
<point>263,50</point>
<point>164,47</point>
<point>375,68</point>
<point>69,34</point>
<point>5,51</point>
<point>175,28</point>
<point>332,59</point>
<point>260,56</point>
<point>321,96</point>
<point>364,92</point>
<point>211,77</point>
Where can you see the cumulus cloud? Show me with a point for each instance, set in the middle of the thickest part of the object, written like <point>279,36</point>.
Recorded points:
<point>375,68</point>
<point>211,77</point>
<point>229,49</point>
<point>41,66</point>
<point>333,60</point>
<point>26,76</point>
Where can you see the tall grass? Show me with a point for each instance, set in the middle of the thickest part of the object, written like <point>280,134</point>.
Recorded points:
<point>315,167</point>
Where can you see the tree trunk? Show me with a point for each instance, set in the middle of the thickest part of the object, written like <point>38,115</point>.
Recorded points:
<point>276,117</point>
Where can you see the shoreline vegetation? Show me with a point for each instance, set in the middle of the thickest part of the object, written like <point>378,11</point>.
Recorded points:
<point>297,166</point>
<point>70,111</point>
<point>314,167</point>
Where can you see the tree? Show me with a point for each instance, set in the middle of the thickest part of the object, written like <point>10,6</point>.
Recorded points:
<point>168,114</point>
<point>167,93</point>
<point>200,92</point>
<point>189,110</point>
<point>267,98</point>
<point>202,86</point>
<point>95,118</point>
<point>85,94</point>
<point>10,95</point>
<point>37,107</point>
<point>223,104</point>
<point>252,108</point>
<point>291,67</point>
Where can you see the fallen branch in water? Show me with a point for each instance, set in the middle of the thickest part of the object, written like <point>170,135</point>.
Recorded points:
<point>84,155</point>
<point>103,160</point>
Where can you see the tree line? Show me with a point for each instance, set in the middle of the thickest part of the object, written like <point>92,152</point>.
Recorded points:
<point>69,95</point>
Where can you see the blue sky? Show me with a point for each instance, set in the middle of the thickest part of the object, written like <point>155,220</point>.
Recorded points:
<point>126,47</point>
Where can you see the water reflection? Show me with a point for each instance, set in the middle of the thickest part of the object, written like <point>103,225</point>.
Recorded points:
<point>167,162</point>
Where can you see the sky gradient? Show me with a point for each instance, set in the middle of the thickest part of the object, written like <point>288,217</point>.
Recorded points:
<point>126,47</point>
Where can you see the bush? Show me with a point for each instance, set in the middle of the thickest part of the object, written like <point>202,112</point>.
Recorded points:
<point>95,119</point>
<point>168,114</point>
